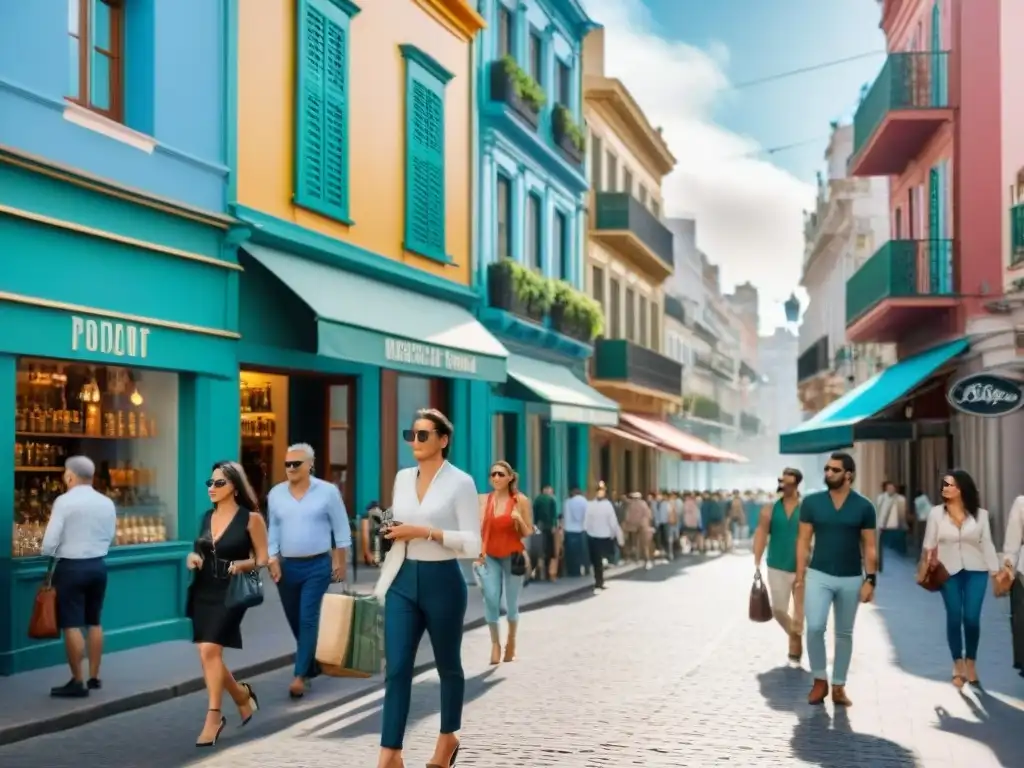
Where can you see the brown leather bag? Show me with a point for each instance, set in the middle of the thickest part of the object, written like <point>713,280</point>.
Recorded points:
<point>760,606</point>
<point>42,625</point>
<point>931,574</point>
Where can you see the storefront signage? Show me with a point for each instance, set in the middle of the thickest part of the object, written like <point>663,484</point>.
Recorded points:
<point>428,356</point>
<point>986,394</point>
<point>109,337</point>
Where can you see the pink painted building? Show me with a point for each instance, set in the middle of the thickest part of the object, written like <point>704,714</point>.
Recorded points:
<point>944,121</point>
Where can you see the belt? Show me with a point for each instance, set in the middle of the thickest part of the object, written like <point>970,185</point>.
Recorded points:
<point>307,557</point>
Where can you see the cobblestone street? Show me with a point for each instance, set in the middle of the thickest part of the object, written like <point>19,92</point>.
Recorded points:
<point>662,669</point>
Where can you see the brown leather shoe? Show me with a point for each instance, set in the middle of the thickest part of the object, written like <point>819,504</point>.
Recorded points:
<point>818,692</point>
<point>839,697</point>
<point>796,648</point>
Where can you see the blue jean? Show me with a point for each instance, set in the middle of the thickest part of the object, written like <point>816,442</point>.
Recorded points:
<point>964,594</point>
<point>576,557</point>
<point>822,593</point>
<point>304,582</point>
<point>427,596</point>
<point>496,577</point>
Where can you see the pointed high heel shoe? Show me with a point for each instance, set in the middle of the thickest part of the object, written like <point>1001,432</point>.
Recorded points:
<point>223,724</point>
<point>254,702</point>
<point>451,760</point>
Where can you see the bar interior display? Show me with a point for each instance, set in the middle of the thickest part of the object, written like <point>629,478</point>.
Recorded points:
<point>124,419</point>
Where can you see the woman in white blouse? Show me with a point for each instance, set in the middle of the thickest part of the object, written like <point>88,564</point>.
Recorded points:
<point>958,535</point>
<point>1013,564</point>
<point>435,509</point>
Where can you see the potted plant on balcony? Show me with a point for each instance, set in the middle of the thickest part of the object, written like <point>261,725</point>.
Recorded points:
<point>575,314</point>
<point>568,135</point>
<point>517,289</point>
<point>513,85</point>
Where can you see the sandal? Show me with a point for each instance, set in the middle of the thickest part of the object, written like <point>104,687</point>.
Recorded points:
<point>959,680</point>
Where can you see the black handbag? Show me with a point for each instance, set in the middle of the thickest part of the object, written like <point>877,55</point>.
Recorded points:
<point>245,590</point>
<point>517,564</point>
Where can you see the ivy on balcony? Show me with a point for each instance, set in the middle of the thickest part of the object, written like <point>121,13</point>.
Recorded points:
<point>525,292</point>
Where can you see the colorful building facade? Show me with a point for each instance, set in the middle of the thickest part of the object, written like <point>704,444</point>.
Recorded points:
<point>530,241</point>
<point>118,295</point>
<point>940,122</point>
<point>351,136</point>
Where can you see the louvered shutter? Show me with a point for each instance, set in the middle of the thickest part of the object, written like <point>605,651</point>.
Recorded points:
<point>425,208</point>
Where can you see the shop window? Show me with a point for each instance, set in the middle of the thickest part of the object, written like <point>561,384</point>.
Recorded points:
<point>340,445</point>
<point>124,419</point>
<point>425,82</point>
<point>321,114</point>
<point>95,55</point>
<point>263,398</point>
<point>413,394</point>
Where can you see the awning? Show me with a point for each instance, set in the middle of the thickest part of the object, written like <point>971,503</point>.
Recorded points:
<point>836,426</point>
<point>572,401</point>
<point>630,437</point>
<point>370,322</point>
<point>670,438</point>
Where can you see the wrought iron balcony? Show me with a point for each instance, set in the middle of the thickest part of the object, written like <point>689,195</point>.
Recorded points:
<point>624,223</point>
<point>622,360</point>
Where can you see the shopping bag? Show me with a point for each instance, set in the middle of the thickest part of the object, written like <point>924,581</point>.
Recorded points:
<point>760,606</point>
<point>42,624</point>
<point>367,641</point>
<point>333,640</point>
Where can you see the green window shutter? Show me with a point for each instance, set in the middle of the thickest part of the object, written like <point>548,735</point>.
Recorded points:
<point>424,148</point>
<point>321,104</point>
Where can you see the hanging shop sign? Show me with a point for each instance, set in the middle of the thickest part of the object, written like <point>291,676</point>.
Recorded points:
<point>986,394</point>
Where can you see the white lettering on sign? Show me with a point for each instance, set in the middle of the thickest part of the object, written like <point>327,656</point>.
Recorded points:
<point>428,356</point>
<point>987,394</point>
<point>109,337</point>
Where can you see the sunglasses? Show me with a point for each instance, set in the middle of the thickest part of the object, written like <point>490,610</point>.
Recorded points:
<point>216,483</point>
<point>417,435</point>
<point>294,464</point>
<point>498,474</point>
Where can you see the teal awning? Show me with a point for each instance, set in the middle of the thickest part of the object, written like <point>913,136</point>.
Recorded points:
<point>835,427</point>
<point>366,321</point>
<point>571,400</point>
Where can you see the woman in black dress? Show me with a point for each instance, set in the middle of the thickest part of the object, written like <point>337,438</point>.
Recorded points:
<point>232,539</point>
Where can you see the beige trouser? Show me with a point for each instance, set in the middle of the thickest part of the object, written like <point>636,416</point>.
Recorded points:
<point>780,585</point>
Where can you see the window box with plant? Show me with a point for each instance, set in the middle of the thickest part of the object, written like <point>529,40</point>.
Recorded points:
<point>575,314</point>
<point>514,86</point>
<point>568,135</point>
<point>518,289</point>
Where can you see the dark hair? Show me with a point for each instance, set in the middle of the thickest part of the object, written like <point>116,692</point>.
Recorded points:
<point>795,473</point>
<point>235,475</point>
<point>442,426</point>
<point>575,491</point>
<point>849,465</point>
<point>968,490</point>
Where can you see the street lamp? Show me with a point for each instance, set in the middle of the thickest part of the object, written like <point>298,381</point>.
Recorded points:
<point>792,307</point>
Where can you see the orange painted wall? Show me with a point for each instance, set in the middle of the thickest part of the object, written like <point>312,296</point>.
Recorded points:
<point>266,110</point>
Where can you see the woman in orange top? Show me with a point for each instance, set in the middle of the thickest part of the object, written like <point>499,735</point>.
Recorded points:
<point>505,520</point>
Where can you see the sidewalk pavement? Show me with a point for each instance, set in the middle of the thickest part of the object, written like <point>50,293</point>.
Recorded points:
<point>144,676</point>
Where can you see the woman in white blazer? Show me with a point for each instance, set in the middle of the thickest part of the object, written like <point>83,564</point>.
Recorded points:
<point>958,535</point>
<point>1013,562</point>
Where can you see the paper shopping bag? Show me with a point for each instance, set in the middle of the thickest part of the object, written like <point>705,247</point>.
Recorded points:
<point>333,640</point>
<point>367,637</point>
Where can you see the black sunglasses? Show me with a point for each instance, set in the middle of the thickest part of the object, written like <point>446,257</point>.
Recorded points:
<point>294,464</point>
<point>417,435</point>
<point>498,474</point>
<point>216,483</point>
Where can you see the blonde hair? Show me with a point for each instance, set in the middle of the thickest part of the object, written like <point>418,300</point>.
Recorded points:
<point>513,491</point>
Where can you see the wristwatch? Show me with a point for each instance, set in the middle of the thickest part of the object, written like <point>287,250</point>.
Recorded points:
<point>871,579</point>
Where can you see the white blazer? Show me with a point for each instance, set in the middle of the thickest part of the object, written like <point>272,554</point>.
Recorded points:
<point>968,547</point>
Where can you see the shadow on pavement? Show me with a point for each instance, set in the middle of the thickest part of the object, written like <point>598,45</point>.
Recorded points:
<point>995,726</point>
<point>822,738</point>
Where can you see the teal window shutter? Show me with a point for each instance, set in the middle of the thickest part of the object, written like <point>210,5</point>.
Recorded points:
<point>322,106</point>
<point>424,154</point>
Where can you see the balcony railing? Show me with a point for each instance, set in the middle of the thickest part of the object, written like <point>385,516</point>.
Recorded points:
<point>909,80</point>
<point>622,360</point>
<point>814,360</point>
<point>674,309</point>
<point>621,212</point>
<point>702,407</point>
<point>901,269</point>
<point>1017,234</point>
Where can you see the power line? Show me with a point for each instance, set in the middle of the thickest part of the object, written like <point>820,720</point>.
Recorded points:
<point>805,70</point>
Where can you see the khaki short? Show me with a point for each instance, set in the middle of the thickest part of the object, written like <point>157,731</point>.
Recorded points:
<point>780,588</point>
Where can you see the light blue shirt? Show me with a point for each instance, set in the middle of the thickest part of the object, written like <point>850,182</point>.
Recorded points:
<point>662,510</point>
<point>574,512</point>
<point>303,527</point>
<point>83,523</point>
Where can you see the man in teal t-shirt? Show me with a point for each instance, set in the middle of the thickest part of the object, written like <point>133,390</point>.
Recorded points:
<point>777,530</point>
<point>842,523</point>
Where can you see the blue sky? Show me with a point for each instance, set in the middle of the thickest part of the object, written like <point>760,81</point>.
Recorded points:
<point>767,37</point>
<point>679,59</point>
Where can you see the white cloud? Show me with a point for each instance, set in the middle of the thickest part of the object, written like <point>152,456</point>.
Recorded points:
<point>748,211</point>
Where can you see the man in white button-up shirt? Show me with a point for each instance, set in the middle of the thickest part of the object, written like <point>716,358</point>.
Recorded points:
<point>82,526</point>
<point>602,527</point>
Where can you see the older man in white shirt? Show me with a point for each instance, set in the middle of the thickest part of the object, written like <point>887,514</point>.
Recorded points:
<point>1013,565</point>
<point>83,523</point>
<point>602,528</point>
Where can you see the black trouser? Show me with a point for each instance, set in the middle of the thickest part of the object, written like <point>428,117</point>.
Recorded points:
<point>1017,622</point>
<point>599,550</point>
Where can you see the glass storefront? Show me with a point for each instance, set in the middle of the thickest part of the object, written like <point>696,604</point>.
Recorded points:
<point>264,429</point>
<point>124,419</point>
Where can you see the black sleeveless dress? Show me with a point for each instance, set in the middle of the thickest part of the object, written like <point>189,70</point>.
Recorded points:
<point>212,620</point>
